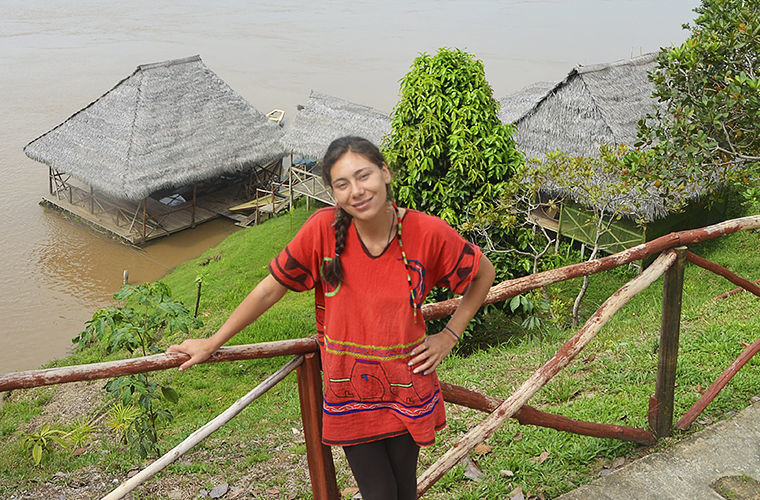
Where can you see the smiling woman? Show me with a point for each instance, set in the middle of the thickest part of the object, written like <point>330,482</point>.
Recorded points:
<point>382,398</point>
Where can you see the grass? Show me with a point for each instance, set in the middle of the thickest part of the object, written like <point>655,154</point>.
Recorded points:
<point>610,382</point>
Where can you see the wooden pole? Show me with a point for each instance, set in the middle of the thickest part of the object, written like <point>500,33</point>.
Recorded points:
<point>527,415</point>
<point>108,369</point>
<point>144,215</point>
<point>50,179</point>
<point>722,271</point>
<point>324,485</point>
<point>202,433</point>
<point>198,297</point>
<point>698,407</point>
<point>670,329</point>
<point>195,197</point>
<point>512,404</point>
<point>92,201</point>
<point>510,288</point>
<point>735,290</point>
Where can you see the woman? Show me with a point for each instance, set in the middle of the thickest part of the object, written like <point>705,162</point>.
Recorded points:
<point>371,265</point>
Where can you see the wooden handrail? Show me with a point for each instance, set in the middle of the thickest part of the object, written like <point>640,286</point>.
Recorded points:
<point>108,369</point>
<point>508,289</point>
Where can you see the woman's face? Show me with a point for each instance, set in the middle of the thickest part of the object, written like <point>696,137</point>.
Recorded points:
<point>360,186</point>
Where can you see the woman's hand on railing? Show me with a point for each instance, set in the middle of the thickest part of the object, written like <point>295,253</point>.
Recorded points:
<point>199,351</point>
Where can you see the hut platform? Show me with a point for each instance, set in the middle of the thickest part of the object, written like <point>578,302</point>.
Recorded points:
<point>124,220</point>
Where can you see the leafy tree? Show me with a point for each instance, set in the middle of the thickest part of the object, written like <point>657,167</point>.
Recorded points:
<point>451,155</point>
<point>610,185</point>
<point>146,313</point>
<point>709,91</point>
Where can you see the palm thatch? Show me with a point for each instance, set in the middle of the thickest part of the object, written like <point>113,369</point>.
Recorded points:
<point>593,105</point>
<point>515,106</point>
<point>168,124</point>
<point>324,118</point>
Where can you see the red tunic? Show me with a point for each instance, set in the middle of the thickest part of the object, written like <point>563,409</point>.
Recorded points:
<point>366,326</point>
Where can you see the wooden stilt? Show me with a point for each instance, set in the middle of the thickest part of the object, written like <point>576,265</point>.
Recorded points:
<point>50,179</point>
<point>144,216</point>
<point>192,213</point>
<point>321,467</point>
<point>668,355</point>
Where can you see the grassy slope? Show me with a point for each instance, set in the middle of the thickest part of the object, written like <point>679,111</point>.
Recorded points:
<point>610,383</point>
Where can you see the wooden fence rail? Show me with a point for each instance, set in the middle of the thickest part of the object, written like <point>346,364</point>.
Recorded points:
<point>108,369</point>
<point>321,468</point>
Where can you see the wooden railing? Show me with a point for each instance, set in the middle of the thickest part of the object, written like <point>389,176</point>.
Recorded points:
<point>671,262</point>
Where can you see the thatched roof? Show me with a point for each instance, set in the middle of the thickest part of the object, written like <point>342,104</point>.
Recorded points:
<point>515,106</point>
<point>591,106</point>
<point>324,118</point>
<point>166,125</point>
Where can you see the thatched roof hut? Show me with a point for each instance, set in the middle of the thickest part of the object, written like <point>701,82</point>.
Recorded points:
<point>593,105</point>
<point>324,118</point>
<point>166,125</point>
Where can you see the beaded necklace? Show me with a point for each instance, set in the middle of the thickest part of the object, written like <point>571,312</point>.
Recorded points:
<point>415,306</point>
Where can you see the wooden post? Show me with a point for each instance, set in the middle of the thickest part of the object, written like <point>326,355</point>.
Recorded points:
<point>321,467</point>
<point>50,179</point>
<point>145,216</point>
<point>92,201</point>
<point>192,214</point>
<point>198,297</point>
<point>668,358</point>
<point>290,185</point>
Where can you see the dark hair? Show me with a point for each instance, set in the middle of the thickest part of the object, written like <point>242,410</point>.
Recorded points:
<point>333,270</point>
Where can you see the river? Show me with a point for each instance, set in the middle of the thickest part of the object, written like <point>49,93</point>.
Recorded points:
<point>58,56</point>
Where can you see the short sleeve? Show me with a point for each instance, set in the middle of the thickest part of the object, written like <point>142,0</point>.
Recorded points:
<point>297,265</point>
<point>458,260</point>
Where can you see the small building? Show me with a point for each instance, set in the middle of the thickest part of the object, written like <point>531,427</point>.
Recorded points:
<point>321,120</point>
<point>168,147</point>
<point>591,106</point>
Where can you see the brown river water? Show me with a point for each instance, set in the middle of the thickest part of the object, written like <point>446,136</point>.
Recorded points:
<point>58,56</point>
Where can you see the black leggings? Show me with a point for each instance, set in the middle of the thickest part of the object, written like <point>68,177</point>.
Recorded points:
<point>385,469</point>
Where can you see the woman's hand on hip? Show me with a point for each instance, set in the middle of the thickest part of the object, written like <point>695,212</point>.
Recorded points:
<point>199,351</point>
<point>431,352</point>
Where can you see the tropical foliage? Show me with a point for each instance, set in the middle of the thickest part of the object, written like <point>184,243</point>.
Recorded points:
<point>709,91</point>
<point>147,312</point>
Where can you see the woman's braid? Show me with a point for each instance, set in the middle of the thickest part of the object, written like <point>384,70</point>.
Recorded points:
<point>334,268</point>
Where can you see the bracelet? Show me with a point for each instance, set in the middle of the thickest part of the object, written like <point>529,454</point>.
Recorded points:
<point>452,332</point>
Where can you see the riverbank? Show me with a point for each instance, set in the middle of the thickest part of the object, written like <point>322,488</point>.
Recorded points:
<point>261,452</point>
